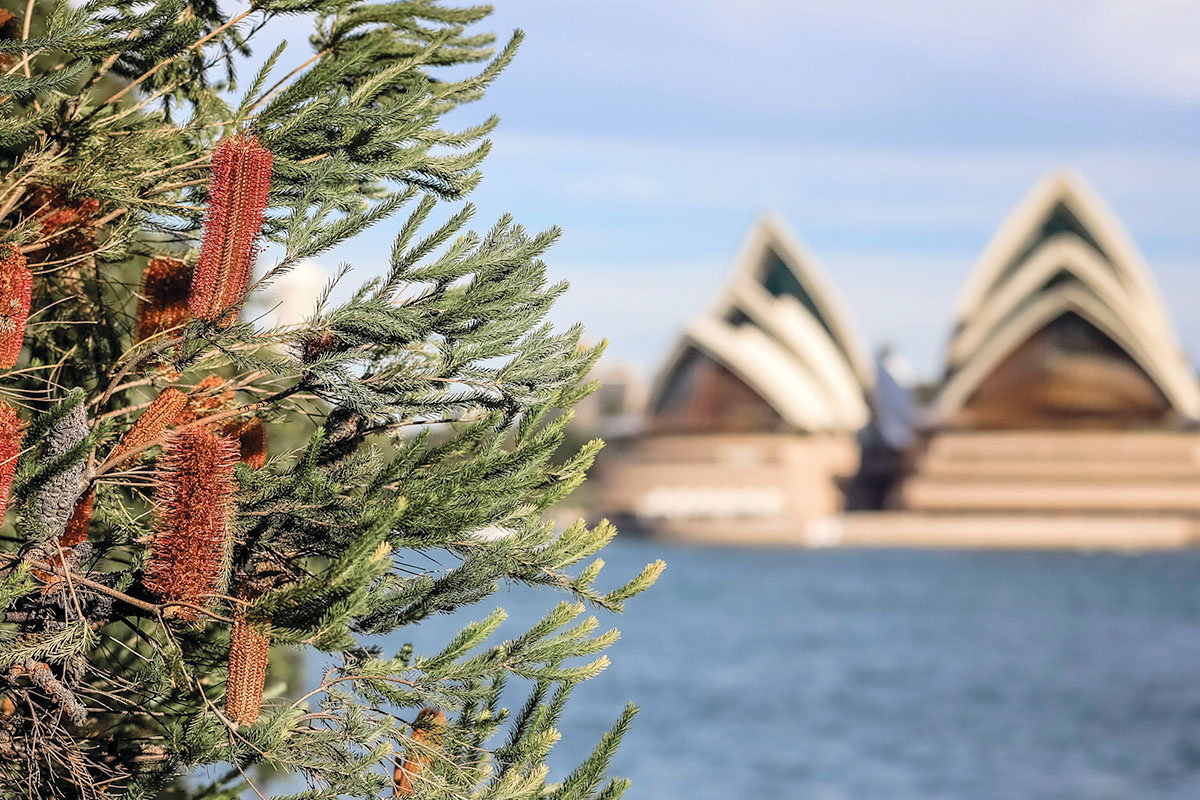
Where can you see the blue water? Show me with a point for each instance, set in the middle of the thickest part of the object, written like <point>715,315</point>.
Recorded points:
<point>900,675</point>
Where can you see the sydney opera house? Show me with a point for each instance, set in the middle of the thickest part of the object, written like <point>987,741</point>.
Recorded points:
<point>1065,413</point>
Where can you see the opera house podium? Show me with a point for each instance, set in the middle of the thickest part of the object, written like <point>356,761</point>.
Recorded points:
<point>1066,414</point>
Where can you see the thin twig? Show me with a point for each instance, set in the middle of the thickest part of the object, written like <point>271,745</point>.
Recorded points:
<point>148,73</point>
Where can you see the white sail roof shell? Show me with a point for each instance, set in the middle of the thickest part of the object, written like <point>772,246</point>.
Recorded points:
<point>811,370</point>
<point>1010,295</point>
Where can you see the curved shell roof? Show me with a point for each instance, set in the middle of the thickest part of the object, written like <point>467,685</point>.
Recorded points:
<point>778,327</point>
<point>1062,251</point>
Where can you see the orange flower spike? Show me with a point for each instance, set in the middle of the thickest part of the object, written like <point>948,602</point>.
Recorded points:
<point>166,283</point>
<point>204,399</point>
<point>429,731</point>
<point>248,650</point>
<point>76,531</point>
<point>237,200</point>
<point>66,215</point>
<point>16,292</point>
<point>252,440</point>
<point>194,500</point>
<point>154,421</point>
<point>7,31</point>
<point>12,431</point>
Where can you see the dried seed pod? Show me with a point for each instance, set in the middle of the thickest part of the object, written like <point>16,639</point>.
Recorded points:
<point>344,430</point>
<point>251,435</point>
<point>16,293</point>
<point>429,731</point>
<point>249,646</point>
<point>55,501</point>
<point>41,676</point>
<point>76,531</point>
<point>161,414</point>
<point>237,199</point>
<point>194,499</point>
<point>166,284</point>
<point>313,346</point>
<point>12,431</point>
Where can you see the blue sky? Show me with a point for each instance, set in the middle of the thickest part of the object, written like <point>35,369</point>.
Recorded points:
<point>892,137</point>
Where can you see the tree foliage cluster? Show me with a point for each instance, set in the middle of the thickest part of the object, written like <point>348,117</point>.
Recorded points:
<point>167,504</point>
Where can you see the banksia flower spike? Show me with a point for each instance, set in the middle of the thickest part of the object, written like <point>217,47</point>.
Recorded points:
<point>76,531</point>
<point>166,283</point>
<point>203,399</point>
<point>67,225</point>
<point>55,501</point>
<point>7,31</point>
<point>251,436</point>
<point>59,214</point>
<point>16,292</point>
<point>237,198</point>
<point>429,730</point>
<point>154,421</point>
<point>248,649</point>
<point>194,499</point>
<point>12,430</point>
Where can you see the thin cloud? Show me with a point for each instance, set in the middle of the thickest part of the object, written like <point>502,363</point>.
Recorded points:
<point>847,186</point>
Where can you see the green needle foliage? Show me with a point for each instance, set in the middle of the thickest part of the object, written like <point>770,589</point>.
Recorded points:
<point>419,417</point>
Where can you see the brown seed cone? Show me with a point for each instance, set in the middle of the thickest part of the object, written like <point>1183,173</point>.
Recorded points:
<point>194,499</point>
<point>12,431</point>
<point>16,293</point>
<point>166,283</point>
<point>154,421</point>
<point>429,731</point>
<point>76,531</point>
<point>237,199</point>
<point>249,646</point>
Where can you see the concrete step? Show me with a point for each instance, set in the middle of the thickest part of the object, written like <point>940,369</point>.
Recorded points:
<point>920,493</point>
<point>1058,470</point>
<point>1064,446</point>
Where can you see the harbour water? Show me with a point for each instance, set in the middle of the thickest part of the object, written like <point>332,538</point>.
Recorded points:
<point>905,675</point>
<point>894,674</point>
